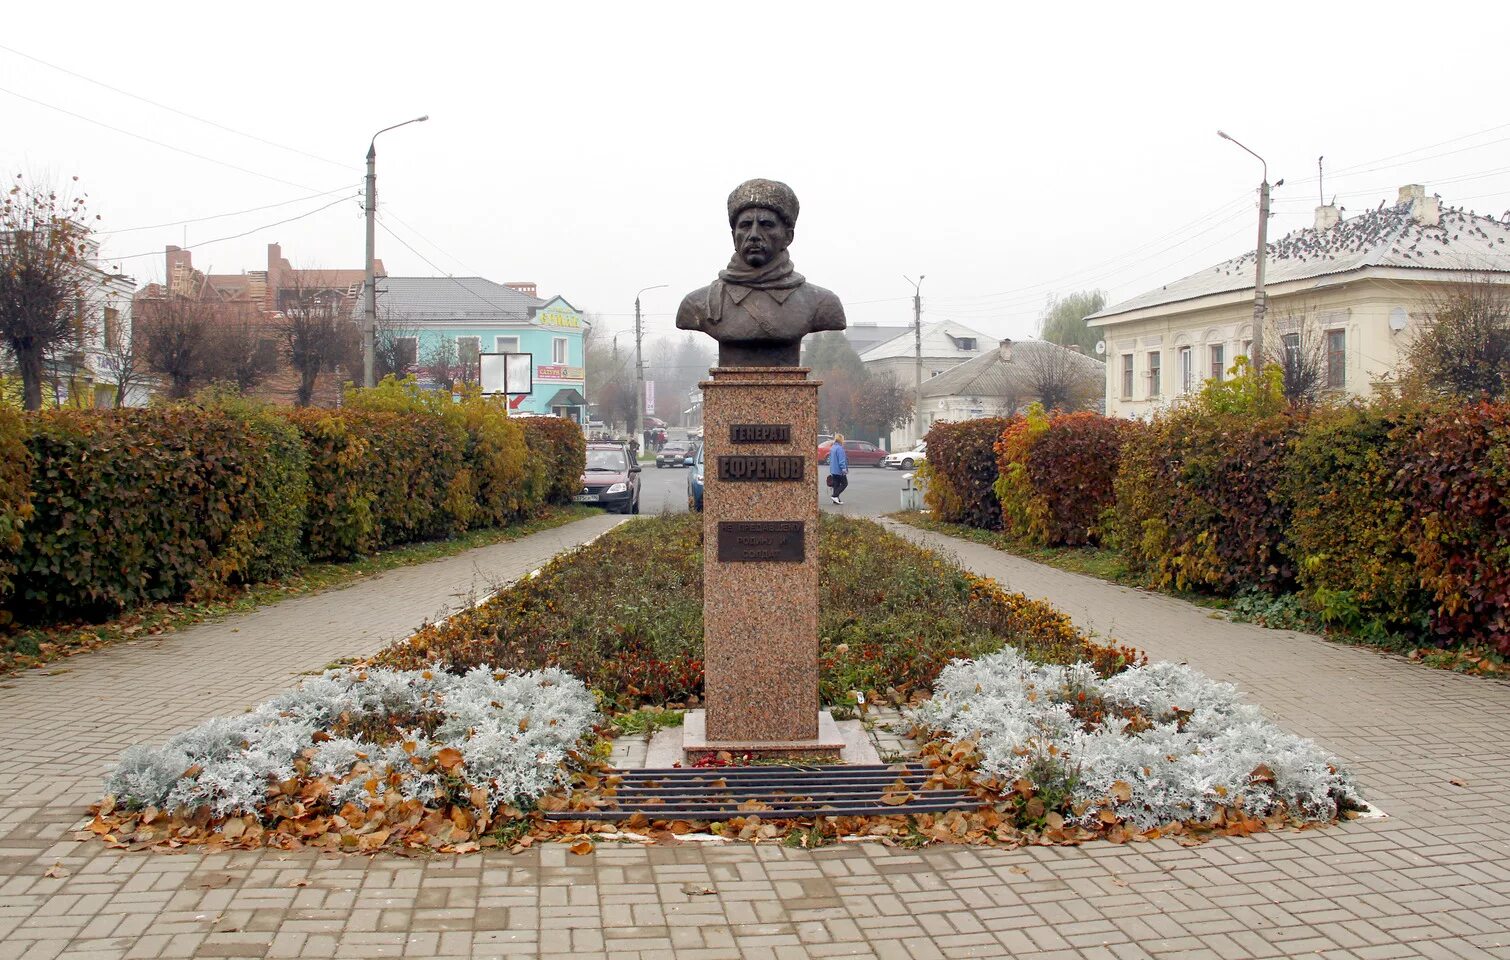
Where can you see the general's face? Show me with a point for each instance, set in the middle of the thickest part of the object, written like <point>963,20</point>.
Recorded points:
<point>760,235</point>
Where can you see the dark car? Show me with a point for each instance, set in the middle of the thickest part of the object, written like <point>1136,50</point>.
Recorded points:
<point>611,480</point>
<point>674,454</point>
<point>861,454</point>
<point>695,482</point>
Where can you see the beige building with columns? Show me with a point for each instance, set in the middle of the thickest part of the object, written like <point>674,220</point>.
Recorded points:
<point>1355,290</point>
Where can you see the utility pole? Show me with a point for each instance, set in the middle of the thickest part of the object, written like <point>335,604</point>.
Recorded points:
<point>639,368</point>
<point>369,301</point>
<point>917,357</point>
<point>1260,301</point>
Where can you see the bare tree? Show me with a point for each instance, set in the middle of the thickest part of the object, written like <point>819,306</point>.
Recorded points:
<point>439,360</point>
<point>176,338</point>
<point>242,349</point>
<point>390,330</point>
<point>1300,357</point>
<point>1464,348</point>
<point>314,325</point>
<point>43,275</point>
<point>123,367</point>
<point>1060,378</point>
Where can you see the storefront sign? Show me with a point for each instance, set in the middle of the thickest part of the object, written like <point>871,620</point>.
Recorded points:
<point>557,371</point>
<point>560,318</point>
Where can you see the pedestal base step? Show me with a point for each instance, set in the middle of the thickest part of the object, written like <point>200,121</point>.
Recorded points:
<point>828,745</point>
<point>773,793</point>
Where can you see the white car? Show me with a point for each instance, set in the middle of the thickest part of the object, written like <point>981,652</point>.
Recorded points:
<point>908,459</point>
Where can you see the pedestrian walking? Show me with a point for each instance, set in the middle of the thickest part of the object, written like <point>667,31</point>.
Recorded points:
<point>838,468</point>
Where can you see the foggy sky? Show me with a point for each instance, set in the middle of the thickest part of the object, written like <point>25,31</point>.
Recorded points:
<point>1007,154</point>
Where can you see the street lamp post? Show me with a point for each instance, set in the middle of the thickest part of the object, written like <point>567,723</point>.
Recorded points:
<point>369,306</point>
<point>639,367</point>
<point>1260,302</point>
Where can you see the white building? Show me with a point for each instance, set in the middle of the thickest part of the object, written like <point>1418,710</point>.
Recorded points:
<point>1006,380</point>
<point>1355,288</point>
<point>944,345</point>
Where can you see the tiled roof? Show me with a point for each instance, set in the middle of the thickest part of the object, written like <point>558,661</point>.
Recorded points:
<point>452,298</point>
<point>1384,237</point>
<point>991,375</point>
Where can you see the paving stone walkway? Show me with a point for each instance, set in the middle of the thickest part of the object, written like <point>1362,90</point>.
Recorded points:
<point>1432,881</point>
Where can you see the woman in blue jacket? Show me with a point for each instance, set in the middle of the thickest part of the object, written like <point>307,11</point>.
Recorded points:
<point>838,468</point>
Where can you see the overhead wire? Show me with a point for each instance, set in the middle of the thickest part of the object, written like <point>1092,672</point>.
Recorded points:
<point>171,109</point>
<point>222,216</point>
<point>235,236</point>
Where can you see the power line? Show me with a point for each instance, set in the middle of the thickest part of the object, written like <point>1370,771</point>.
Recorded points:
<point>159,143</point>
<point>220,216</point>
<point>181,113</point>
<point>236,236</point>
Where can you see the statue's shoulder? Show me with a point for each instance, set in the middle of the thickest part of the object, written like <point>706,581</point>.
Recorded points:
<point>693,312</point>
<point>828,309</point>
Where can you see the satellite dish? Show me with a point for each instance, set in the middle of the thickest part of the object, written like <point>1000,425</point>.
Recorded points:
<point>1398,319</point>
<point>1100,347</point>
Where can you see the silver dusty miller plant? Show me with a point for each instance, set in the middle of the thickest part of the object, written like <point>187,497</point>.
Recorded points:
<point>513,731</point>
<point>1202,747</point>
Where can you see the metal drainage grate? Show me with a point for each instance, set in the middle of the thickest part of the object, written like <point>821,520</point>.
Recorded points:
<point>772,792</point>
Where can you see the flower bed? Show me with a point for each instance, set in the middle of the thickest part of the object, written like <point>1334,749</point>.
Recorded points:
<point>1150,750</point>
<point>357,759</point>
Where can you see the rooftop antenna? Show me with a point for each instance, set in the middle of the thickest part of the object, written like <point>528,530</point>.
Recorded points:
<point>1320,190</point>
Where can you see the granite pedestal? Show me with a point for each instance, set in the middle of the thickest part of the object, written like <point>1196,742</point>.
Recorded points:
<point>760,565</point>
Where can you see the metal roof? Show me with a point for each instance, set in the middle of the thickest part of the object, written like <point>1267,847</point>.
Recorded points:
<point>452,298</point>
<point>992,375</point>
<point>1384,237</point>
<point>938,343</point>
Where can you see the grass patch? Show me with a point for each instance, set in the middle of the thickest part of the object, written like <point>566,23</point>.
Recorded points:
<point>624,614</point>
<point>35,646</point>
<point>1103,563</point>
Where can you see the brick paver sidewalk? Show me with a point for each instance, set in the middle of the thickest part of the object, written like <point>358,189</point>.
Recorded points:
<point>1431,881</point>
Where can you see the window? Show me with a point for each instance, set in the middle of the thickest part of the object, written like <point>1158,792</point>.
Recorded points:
<point>467,349</point>
<point>505,344</point>
<point>1187,369</point>
<point>965,343</point>
<point>1248,349</point>
<point>558,350</point>
<point>1218,360</point>
<point>112,328</point>
<point>408,351</point>
<point>1336,359</point>
<point>1291,342</point>
<point>1154,364</point>
<point>1127,376</point>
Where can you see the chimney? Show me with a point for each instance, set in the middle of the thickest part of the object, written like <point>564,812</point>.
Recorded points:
<point>1075,347</point>
<point>1424,210</point>
<point>526,287</point>
<point>1327,217</point>
<point>1006,350</point>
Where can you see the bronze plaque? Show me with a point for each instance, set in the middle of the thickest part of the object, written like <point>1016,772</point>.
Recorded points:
<point>760,433</point>
<point>761,541</point>
<point>737,469</point>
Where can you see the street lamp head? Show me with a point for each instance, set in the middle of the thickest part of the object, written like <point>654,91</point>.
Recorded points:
<point>1223,135</point>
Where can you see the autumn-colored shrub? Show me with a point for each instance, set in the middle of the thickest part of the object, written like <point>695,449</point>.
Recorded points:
<point>1072,466</point>
<point>340,522</point>
<point>1024,511</point>
<point>1456,473</point>
<point>1198,498</point>
<point>1347,515</point>
<point>962,470</point>
<point>15,499</point>
<point>560,445</point>
<point>133,506</point>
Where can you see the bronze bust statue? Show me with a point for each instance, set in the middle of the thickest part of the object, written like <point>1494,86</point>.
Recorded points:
<point>759,308</point>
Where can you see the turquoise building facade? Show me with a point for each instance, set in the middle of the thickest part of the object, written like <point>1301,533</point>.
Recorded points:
<point>480,316</point>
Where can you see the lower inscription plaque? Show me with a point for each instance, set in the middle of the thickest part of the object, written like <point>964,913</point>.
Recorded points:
<point>761,541</point>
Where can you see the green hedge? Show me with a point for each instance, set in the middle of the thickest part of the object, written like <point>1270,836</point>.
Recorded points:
<point>101,510</point>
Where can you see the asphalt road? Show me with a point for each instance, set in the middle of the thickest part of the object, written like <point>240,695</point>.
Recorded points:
<point>873,491</point>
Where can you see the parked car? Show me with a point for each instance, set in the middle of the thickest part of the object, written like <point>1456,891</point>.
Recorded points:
<point>692,455</point>
<point>612,478</point>
<point>674,454</point>
<point>908,459</point>
<point>695,482</point>
<point>861,454</point>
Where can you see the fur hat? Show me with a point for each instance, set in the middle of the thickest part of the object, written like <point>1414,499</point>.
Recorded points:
<point>771,194</point>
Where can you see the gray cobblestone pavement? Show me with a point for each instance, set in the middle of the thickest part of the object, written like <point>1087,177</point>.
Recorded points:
<point>1431,881</point>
